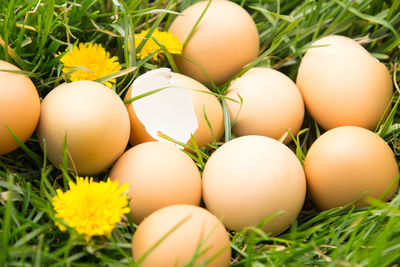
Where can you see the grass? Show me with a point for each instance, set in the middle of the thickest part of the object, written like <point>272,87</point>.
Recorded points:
<point>33,32</point>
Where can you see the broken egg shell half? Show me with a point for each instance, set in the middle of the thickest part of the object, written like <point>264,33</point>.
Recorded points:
<point>176,110</point>
<point>272,104</point>
<point>346,162</point>
<point>92,118</point>
<point>19,107</point>
<point>251,178</point>
<point>159,174</point>
<point>343,85</point>
<point>186,229</point>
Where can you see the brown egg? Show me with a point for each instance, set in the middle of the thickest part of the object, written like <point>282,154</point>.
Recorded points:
<point>224,41</point>
<point>342,84</point>
<point>159,175</point>
<point>176,111</point>
<point>94,120</point>
<point>346,162</point>
<point>250,178</point>
<point>187,229</point>
<point>271,104</point>
<point>19,107</point>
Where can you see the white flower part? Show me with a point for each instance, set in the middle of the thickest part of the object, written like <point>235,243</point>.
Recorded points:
<point>169,111</point>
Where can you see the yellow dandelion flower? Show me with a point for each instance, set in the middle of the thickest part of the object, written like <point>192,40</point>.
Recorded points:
<point>90,62</point>
<point>92,208</point>
<point>170,41</point>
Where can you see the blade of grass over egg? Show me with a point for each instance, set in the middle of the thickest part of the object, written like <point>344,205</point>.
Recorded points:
<point>127,101</point>
<point>189,148</point>
<point>202,249</point>
<point>115,75</point>
<point>28,151</point>
<point>130,100</point>
<point>296,140</point>
<point>227,121</point>
<point>27,73</point>
<point>214,88</point>
<point>209,125</point>
<point>197,151</point>
<point>218,95</point>
<point>64,166</point>
<point>259,59</point>
<point>196,24</point>
<point>163,237</point>
<point>240,109</point>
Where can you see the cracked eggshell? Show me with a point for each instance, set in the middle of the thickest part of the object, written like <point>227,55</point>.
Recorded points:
<point>95,121</point>
<point>19,107</point>
<point>176,111</point>
<point>345,162</point>
<point>272,104</point>
<point>342,84</point>
<point>185,228</point>
<point>159,175</point>
<point>250,178</point>
<point>225,40</point>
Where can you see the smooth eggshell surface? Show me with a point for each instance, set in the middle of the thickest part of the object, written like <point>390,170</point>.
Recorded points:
<point>250,178</point>
<point>342,84</point>
<point>186,228</point>
<point>271,104</point>
<point>19,107</point>
<point>95,121</point>
<point>159,175</point>
<point>201,99</point>
<point>225,40</point>
<point>344,163</point>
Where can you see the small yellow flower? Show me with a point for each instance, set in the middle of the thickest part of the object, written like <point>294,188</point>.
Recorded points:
<point>93,62</point>
<point>92,208</point>
<point>170,41</point>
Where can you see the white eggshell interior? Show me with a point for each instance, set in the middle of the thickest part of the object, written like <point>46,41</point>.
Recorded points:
<point>169,111</point>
